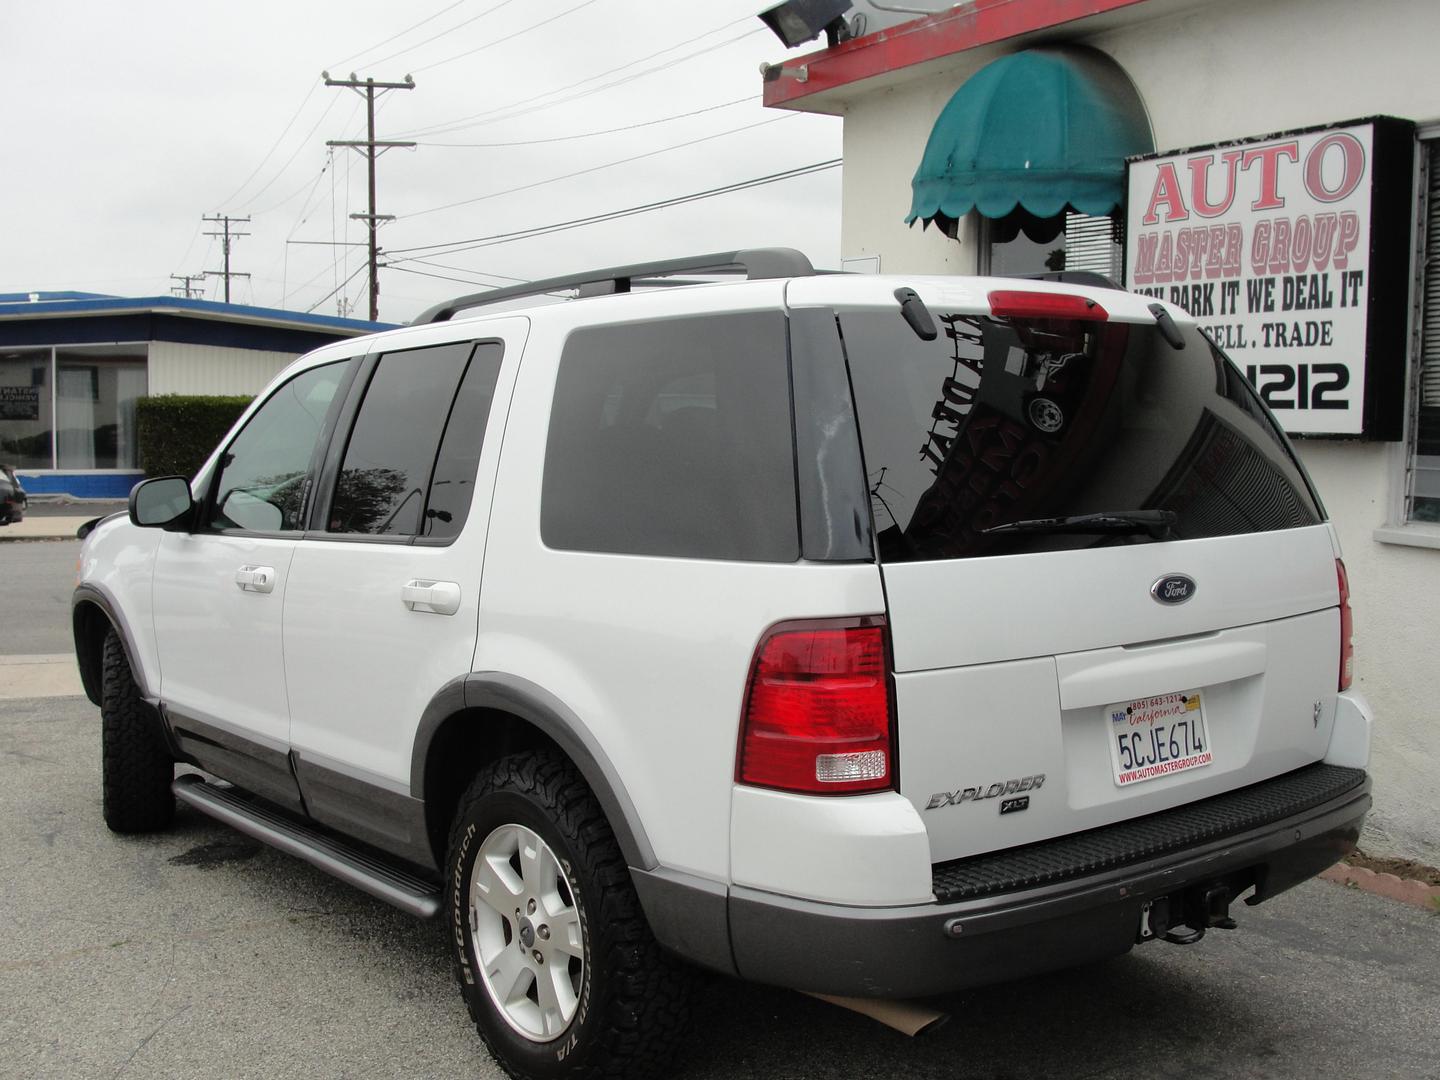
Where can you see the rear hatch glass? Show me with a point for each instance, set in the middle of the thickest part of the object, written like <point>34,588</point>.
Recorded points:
<point>999,421</point>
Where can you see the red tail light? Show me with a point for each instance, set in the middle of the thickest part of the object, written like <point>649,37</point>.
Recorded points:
<point>817,713</point>
<point>1015,304</point>
<point>1347,628</point>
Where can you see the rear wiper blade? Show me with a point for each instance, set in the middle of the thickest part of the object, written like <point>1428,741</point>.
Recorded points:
<point>1155,522</point>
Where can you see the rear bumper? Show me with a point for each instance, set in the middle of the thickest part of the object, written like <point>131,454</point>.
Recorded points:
<point>939,947</point>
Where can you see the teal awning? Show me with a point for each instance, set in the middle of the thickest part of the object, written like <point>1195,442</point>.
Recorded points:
<point>1042,129</point>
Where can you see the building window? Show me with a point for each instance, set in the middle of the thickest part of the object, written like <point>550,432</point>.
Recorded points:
<point>26,427</point>
<point>1422,488</point>
<point>71,408</point>
<point>1021,243</point>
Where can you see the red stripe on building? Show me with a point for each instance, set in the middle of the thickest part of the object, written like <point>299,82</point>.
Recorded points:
<point>927,38</point>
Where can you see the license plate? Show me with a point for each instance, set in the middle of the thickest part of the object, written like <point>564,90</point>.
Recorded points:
<point>1158,736</point>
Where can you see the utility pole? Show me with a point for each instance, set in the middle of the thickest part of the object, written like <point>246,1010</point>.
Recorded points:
<point>225,220</point>
<point>187,288</point>
<point>371,149</point>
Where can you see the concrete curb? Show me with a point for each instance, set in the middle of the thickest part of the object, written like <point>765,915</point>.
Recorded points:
<point>44,528</point>
<point>1415,893</point>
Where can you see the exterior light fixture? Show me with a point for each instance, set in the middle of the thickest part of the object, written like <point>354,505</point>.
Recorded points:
<point>798,21</point>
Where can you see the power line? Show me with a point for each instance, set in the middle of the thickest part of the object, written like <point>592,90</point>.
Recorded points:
<point>598,168</point>
<point>465,270</point>
<point>191,245</point>
<point>290,160</point>
<point>508,37</point>
<point>402,33</point>
<point>456,247</point>
<point>273,147</point>
<point>358,271</point>
<point>592,134</point>
<point>486,117</point>
<point>436,37</point>
<point>308,184</point>
<point>442,277</point>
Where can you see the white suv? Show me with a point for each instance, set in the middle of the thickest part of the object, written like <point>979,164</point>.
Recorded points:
<point>864,635</point>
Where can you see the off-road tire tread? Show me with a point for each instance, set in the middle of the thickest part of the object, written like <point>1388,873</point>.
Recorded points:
<point>647,1016</point>
<point>135,769</point>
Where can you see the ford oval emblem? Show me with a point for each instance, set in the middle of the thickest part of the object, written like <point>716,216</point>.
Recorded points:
<point>1173,589</point>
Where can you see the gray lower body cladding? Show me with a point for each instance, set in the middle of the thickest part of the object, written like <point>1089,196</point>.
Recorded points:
<point>1071,918</point>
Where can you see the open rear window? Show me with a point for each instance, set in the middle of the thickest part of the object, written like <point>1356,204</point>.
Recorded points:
<point>1003,420</point>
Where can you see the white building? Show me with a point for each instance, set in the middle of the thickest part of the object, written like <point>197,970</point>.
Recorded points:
<point>72,366</point>
<point>1196,91</point>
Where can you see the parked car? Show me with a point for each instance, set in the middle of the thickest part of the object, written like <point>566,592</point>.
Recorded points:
<point>754,625</point>
<point>13,499</point>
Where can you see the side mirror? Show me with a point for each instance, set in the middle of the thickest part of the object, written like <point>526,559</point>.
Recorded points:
<point>160,502</point>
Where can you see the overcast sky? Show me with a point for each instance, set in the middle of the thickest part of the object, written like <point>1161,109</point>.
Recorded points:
<point>126,122</point>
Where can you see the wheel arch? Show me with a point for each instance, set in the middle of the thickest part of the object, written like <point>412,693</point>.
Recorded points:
<point>92,615</point>
<point>482,716</point>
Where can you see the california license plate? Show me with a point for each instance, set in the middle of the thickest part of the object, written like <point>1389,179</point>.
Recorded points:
<point>1158,736</point>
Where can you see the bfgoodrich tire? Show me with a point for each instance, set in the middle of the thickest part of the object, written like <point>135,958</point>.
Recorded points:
<point>555,960</point>
<point>135,769</point>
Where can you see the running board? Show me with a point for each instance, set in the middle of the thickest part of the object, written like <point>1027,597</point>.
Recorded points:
<point>321,850</point>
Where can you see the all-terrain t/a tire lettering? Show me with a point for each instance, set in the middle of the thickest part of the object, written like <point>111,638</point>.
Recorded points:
<point>552,952</point>
<point>135,768</point>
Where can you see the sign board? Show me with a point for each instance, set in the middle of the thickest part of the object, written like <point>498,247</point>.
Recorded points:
<point>1293,253</point>
<point>19,403</point>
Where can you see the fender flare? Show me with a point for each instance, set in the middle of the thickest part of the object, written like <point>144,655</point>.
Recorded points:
<point>98,597</point>
<point>543,710</point>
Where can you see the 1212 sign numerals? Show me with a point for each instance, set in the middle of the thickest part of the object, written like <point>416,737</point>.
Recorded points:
<point>1300,386</point>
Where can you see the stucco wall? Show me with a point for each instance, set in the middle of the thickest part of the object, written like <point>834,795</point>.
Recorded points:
<point>1228,70</point>
<point>1395,595</point>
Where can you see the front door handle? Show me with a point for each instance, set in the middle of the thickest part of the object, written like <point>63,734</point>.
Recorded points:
<point>436,597</point>
<point>252,578</point>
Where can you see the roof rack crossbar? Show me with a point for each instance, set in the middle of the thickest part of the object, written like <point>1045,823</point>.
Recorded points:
<point>754,263</point>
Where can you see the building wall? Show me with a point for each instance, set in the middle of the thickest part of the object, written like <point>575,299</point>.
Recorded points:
<point>1395,591</point>
<point>211,369</point>
<point>883,139</point>
<point>1228,70</point>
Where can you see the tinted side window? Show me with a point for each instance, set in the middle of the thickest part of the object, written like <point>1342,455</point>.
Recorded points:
<point>674,438</point>
<point>387,463</point>
<point>460,446</point>
<point>261,483</point>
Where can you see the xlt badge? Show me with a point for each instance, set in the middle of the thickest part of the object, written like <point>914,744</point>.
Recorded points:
<point>993,791</point>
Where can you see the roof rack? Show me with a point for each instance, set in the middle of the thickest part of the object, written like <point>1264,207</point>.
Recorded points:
<point>754,263</point>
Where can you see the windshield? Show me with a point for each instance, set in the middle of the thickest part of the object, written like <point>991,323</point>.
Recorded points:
<point>1011,420</point>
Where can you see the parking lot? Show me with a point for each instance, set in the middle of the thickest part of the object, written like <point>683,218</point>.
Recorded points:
<point>199,953</point>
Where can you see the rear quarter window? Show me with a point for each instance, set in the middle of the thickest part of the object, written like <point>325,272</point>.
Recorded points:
<point>673,438</point>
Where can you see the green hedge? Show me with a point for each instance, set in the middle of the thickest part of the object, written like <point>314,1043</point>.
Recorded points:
<point>178,431</point>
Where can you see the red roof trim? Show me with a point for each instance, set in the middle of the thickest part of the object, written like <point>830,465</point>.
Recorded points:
<point>927,38</point>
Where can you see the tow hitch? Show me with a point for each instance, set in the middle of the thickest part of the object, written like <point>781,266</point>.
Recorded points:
<point>1182,918</point>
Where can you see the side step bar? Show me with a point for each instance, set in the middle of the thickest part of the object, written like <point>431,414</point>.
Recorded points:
<point>321,850</point>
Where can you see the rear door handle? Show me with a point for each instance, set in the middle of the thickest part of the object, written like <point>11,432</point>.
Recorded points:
<point>436,597</point>
<point>259,579</point>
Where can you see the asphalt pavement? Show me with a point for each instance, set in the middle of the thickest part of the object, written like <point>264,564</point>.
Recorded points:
<point>35,600</point>
<point>200,953</point>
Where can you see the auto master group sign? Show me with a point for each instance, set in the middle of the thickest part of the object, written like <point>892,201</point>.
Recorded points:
<point>1267,244</point>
